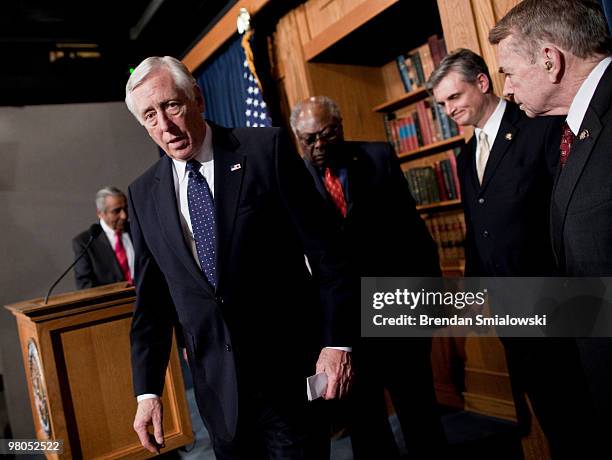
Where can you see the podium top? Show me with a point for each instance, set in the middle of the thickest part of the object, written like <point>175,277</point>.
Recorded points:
<point>76,301</point>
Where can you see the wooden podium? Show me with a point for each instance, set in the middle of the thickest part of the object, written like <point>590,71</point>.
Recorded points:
<point>76,352</point>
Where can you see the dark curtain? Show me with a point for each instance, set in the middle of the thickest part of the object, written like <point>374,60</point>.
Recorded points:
<point>607,7</point>
<point>224,87</point>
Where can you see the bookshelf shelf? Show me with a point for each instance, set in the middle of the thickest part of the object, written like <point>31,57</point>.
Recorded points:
<point>431,148</point>
<point>404,100</point>
<point>440,206</point>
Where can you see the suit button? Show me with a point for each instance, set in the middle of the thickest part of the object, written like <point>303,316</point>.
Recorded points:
<point>485,233</point>
<point>228,347</point>
<point>481,200</point>
<point>220,300</point>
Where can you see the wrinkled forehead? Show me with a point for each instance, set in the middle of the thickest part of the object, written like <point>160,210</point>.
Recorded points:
<point>313,118</point>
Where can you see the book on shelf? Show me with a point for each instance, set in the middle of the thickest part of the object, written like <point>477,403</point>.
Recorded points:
<point>448,231</point>
<point>418,125</point>
<point>436,181</point>
<point>416,66</point>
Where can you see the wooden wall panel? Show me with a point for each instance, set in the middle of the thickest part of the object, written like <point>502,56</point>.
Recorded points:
<point>501,7</point>
<point>356,89</point>
<point>458,24</point>
<point>291,30</point>
<point>392,81</point>
<point>485,20</point>
<point>323,13</point>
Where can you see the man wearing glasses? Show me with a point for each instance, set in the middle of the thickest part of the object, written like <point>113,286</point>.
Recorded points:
<point>364,184</point>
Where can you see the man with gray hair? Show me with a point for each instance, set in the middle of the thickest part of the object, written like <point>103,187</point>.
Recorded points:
<point>363,186</point>
<point>555,55</point>
<point>109,258</point>
<point>221,224</point>
<point>506,173</point>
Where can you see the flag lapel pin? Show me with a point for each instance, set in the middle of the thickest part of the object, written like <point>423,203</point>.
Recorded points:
<point>235,167</point>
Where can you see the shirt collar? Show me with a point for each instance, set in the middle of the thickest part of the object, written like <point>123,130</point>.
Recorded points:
<point>204,155</point>
<point>109,232</point>
<point>493,123</point>
<point>583,97</point>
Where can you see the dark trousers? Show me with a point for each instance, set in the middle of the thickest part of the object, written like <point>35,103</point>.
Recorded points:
<point>551,372</point>
<point>275,430</point>
<point>403,367</point>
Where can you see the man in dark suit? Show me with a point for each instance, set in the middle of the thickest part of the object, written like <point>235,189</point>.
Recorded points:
<point>555,55</point>
<point>220,227</point>
<point>364,187</point>
<point>110,257</point>
<point>506,173</point>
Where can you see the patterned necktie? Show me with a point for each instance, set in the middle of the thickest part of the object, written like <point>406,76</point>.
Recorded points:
<point>483,154</point>
<point>121,256</point>
<point>567,138</point>
<point>334,188</point>
<point>202,216</point>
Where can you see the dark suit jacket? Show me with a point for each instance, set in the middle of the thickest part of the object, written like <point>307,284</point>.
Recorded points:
<point>507,217</point>
<point>581,211</point>
<point>263,326</point>
<point>99,265</point>
<point>581,227</point>
<point>383,229</point>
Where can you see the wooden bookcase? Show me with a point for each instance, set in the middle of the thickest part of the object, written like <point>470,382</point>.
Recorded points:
<point>345,49</point>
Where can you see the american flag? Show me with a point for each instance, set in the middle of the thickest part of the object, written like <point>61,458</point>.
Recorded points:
<point>256,111</point>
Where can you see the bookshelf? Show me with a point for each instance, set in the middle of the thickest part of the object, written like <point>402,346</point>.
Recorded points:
<point>347,49</point>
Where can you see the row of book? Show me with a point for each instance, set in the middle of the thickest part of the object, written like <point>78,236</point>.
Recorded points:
<point>435,182</point>
<point>419,124</point>
<point>448,231</point>
<point>416,66</point>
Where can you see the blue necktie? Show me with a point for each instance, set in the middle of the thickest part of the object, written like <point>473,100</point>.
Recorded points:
<point>202,215</point>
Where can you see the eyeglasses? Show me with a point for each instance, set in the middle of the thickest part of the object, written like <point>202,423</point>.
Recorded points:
<point>327,134</point>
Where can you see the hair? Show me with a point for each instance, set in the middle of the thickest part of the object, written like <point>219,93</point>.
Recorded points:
<point>101,195</point>
<point>463,61</point>
<point>328,103</point>
<point>180,75</point>
<point>577,26</point>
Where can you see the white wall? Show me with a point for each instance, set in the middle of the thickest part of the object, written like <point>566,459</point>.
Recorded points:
<point>52,161</point>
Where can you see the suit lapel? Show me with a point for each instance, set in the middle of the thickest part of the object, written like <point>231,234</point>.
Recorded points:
<point>164,198</point>
<point>568,176</point>
<point>230,166</point>
<point>470,161</point>
<point>355,165</point>
<point>507,131</point>
<point>104,247</point>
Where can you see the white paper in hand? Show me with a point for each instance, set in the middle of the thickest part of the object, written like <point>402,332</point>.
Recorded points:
<point>316,385</point>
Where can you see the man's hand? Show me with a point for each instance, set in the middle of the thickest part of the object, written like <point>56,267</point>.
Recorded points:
<point>150,412</point>
<point>337,365</point>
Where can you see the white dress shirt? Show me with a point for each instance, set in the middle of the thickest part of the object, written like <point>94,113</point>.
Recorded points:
<point>491,127</point>
<point>583,97</point>
<point>125,239</point>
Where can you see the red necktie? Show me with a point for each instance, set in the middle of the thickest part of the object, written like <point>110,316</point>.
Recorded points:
<point>567,137</point>
<point>334,188</point>
<point>121,256</point>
